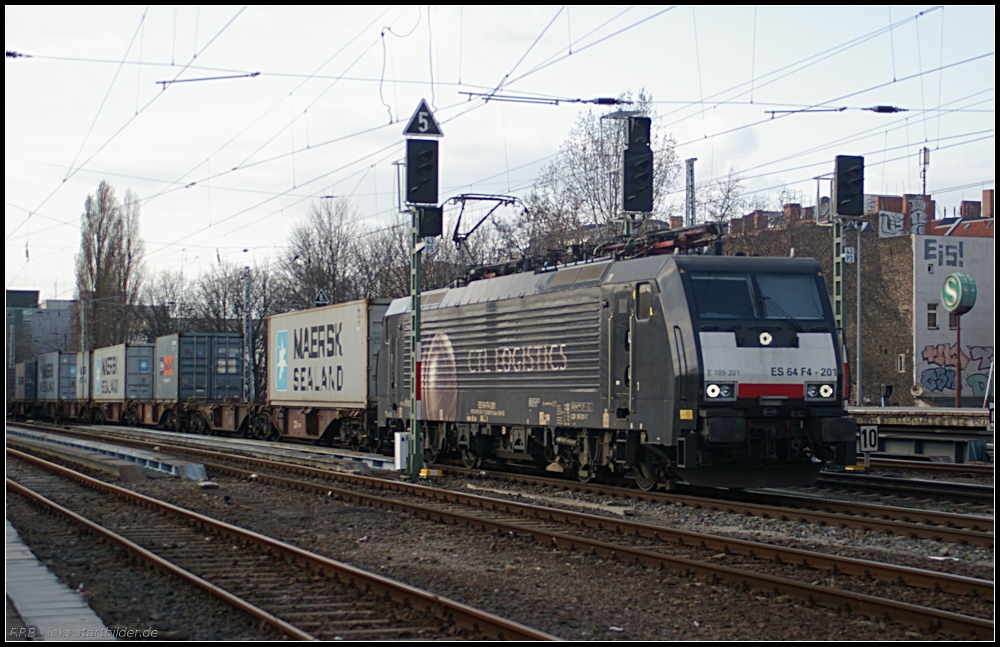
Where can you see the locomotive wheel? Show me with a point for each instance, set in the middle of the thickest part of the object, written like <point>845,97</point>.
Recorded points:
<point>471,460</point>
<point>431,455</point>
<point>645,477</point>
<point>260,428</point>
<point>196,425</point>
<point>585,474</point>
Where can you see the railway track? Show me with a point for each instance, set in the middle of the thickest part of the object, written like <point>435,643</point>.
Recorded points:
<point>252,572</point>
<point>936,490</point>
<point>870,588</point>
<point>893,520</point>
<point>974,530</point>
<point>930,467</point>
<point>741,563</point>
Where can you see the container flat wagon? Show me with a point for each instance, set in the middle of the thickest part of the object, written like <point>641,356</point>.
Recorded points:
<point>199,384</point>
<point>321,374</point>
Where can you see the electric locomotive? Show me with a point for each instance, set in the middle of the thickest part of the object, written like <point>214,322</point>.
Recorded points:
<point>716,371</point>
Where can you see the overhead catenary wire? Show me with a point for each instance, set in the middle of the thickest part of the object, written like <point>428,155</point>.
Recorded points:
<point>114,135</point>
<point>789,69</point>
<point>278,156</point>
<point>305,78</point>
<point>501,84</point>
<point>299,193</point>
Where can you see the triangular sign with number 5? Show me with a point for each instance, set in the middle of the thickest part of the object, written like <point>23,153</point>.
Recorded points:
<point>423,123</point>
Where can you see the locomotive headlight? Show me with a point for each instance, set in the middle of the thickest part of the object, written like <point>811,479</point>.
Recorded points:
<point>820,391</point>
<point>720,391</point>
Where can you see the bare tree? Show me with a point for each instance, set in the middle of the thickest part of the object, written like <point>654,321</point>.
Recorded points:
<point>579,193</point>
<point>549,223</point>
<point>322,255</point>
<point>383,261</point>
<point>167,305</point>
<point>219,307</point>
<point>723,199</point>
<point>109,267</point>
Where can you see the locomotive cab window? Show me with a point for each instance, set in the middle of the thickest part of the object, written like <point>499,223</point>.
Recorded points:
<point>644,301</point>
<point>723,296</point>
<point>792,296</point>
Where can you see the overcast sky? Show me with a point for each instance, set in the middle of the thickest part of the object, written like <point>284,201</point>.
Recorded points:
<point>231,164</point>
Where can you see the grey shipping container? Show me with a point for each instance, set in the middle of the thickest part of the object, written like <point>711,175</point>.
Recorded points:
<point>200,367</point>
<point>123,372</point>
<point>25,374</point>
<point>325,356</point>
<point>82,388</point>
<point>56,377</point>
<point>11,381</point>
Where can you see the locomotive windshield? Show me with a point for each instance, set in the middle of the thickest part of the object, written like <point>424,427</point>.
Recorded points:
<point>723,296</point>
<point>790,295</point>
<point>761,295</point>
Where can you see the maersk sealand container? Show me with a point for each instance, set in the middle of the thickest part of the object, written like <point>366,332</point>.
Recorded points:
<point>123,372</point>
<point>81,389</point>
<point>56,377</point>
<point>199,367</point>
<point>325,357</point>
<point>25,373</point>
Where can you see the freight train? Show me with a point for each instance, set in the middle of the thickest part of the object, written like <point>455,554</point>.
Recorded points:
<point>712,370</point>
<point>186,382</point>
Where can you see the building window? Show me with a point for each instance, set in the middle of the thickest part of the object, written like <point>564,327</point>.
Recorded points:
<point>901,363</point>
<point>932,322</point>
<point>952,322</point>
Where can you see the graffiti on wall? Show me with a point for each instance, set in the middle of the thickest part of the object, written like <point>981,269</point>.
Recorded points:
<point>891,224</point>
<point>918,214</point>
<point>940,375</point>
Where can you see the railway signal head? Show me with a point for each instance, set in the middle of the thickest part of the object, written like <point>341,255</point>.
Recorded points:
<point>849,185</point>
<point>637,175</point>
<point>421,171</point>
<point>639,131</point>
<point>430,221</point>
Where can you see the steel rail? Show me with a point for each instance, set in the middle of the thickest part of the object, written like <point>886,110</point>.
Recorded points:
<point>967,492</point>
<point>976,523</point>
<point>869,605</point>
<point>916,577</point>
<point>851,515</point>
<point>866,604</point>
<point>158,562</point>
<point>455,612</point>
<point>948,527</point>
<point>904,465</point>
